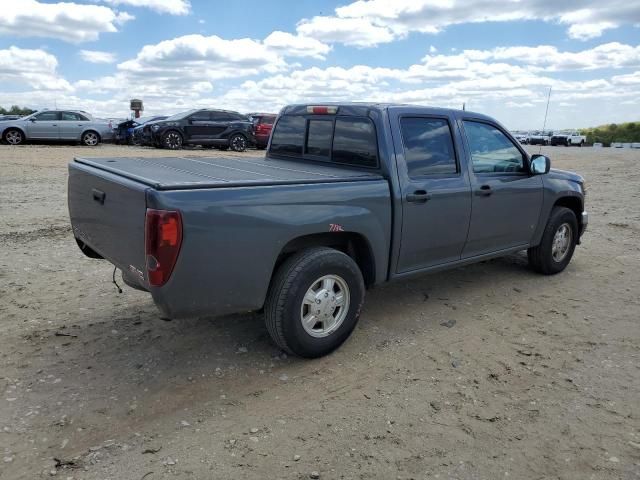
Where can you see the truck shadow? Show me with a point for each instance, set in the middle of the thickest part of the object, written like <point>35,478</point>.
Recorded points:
<point>166,367</point>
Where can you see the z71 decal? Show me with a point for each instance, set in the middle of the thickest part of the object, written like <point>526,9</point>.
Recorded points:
<point>334,227</point>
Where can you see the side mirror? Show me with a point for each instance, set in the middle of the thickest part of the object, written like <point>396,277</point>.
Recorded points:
<point>32,120</point>
<point>540,164</point>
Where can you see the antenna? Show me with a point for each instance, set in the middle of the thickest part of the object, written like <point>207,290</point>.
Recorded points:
<point>544,125</point>
<point>464,106</point>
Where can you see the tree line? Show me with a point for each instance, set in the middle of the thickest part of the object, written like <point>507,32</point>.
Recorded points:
<point>614,132</point>
<point>16,110</point>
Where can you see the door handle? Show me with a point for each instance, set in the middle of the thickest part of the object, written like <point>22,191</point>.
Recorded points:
<point>484,191</point>
<point>419,196</point>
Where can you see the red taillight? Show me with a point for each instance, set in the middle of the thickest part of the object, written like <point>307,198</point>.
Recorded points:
<point>163,237</point>
<point>263,128</point>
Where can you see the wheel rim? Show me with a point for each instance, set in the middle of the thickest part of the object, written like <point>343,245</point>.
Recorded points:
<point>90,139</point>
<point>238,143</point>
<point>173,140</point>
<point>14,137</point>
<point>561,242</point>
<point>325,306</point>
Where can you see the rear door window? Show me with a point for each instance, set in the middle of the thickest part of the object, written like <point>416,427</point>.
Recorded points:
<point>428,146</point>
<point>72,116</point>
<point>288,136</point>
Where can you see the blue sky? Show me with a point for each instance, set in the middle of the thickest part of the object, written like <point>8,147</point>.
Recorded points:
<point>499,57</point>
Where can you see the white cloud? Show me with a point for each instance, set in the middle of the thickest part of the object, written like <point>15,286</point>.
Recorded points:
<point>296,45</point>
<point>350,31</point>
<point>97,56</point>
<point>35,68</point>
<point>194,58</point>
<point>585,31</point>
<point>367,23</point>
<point>172,7</point>
<point>71,22</point>
<point>608,55</point>
<point>629,79</point>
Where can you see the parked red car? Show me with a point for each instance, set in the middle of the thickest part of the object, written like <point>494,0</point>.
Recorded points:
<point>263,123</point>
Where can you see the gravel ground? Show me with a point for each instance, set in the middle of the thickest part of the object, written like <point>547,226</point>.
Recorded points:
<point>484,372</point>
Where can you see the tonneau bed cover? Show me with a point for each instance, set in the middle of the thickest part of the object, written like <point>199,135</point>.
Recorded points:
<point>177,173</point>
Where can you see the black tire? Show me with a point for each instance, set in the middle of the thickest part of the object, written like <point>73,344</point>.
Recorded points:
<point>90,138</point>
<point>541,257</point>
<point>172,140</point>
<point>13,136</point>
<point>284,305</point>
<point>238,142</point>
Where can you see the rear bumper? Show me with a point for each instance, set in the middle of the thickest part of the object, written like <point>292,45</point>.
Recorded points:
<point>262,140</point>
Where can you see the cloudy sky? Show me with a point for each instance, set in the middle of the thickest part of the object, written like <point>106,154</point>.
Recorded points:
<point>499,56</point>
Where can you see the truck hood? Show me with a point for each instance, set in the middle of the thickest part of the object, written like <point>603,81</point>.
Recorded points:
<point>565,175</point>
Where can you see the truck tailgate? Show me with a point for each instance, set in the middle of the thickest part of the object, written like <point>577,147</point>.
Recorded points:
<point>107,213</point>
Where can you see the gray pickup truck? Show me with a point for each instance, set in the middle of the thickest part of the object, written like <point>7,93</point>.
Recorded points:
<point>348,196</point>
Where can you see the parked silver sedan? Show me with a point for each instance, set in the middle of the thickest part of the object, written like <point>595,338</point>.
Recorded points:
<point>56,125</point>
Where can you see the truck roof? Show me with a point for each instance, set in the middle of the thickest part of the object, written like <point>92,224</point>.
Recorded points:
<point>362,108</point>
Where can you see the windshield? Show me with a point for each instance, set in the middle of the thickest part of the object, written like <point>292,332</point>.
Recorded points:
<point>181,115</point>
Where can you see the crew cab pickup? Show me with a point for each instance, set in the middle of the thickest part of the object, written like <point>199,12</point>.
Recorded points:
<point>568,139</point>
<point>348,196</point>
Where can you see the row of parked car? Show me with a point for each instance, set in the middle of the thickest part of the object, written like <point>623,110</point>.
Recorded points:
<point>566,139</point>
<point>222,129</point>
<point>210,128</point>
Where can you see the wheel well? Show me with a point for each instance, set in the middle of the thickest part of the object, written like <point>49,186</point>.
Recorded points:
<point>169,130</point>
<point>574,204</point>
<point>94,131</point>
<point>350,243</point>
<point>14,128</point>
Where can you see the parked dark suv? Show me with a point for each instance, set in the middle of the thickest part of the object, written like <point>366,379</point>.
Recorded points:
<point>264,123</point>
<point>210,128</point>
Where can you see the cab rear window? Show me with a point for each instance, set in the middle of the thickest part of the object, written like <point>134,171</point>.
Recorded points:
<point>344,140</point>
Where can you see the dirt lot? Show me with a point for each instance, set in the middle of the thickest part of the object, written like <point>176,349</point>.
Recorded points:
<point>531,377</point>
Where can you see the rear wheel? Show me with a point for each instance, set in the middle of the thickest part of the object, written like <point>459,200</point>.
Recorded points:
<point>558,243</point>
<point>314,302</point>
<point>172,140</point>
<point>90,138</point>
<point>238,143</point>
<point>13,136</point>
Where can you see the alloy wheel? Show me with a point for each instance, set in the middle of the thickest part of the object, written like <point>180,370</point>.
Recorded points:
<point>325,306</point>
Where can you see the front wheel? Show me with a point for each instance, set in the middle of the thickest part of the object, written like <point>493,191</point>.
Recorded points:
<point>13,136</point>
<point>314,302</point>
<point>172,140</point>
<point>238,143</point>
<point>558,243</point>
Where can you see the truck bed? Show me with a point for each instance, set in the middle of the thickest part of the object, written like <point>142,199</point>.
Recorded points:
<point>179,173</point>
